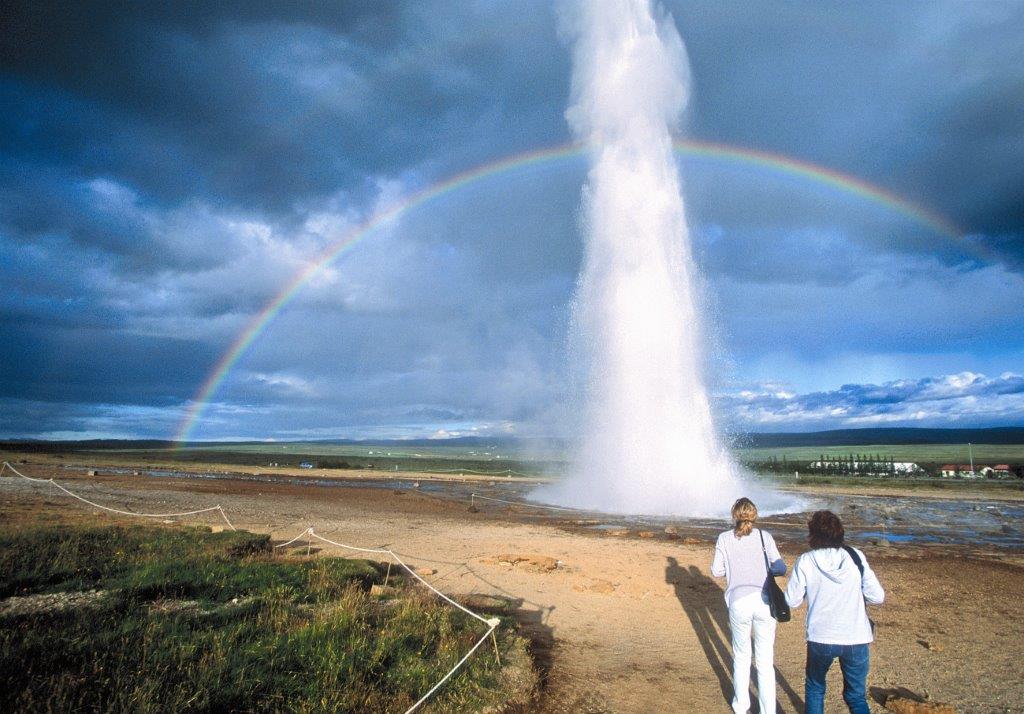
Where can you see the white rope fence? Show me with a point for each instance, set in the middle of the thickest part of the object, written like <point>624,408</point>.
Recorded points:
<point>220,510</point>
<point>492,623</point>
<point>502,472</point>
<point>523,504</point>
<point>309,533</point>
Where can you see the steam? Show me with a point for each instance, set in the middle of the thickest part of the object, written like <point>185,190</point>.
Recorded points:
<point>649,442</point>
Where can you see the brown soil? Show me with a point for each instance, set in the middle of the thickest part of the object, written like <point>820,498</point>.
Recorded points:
<point>621,623</point>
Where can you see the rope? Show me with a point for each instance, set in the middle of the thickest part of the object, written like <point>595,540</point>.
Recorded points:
<point>282,545</point>
<point>524,505</point>
<point>115,510</point>
<point>348,547</point>
<point>439,593</point>
<point>492,623</point>
<point>505,472</point>
<point>407,568</point>
<point>27,478</point>
<point>225,517</point>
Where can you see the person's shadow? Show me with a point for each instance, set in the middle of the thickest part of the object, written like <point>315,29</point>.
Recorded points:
<point>703,600</point>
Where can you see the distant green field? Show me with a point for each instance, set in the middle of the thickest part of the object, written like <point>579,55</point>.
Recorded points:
<point>446,458</point>
<point>969,486</point>
<point>497,458</point>
<point>927,453</point>
<point>474,453</point>
<point>443,459</point>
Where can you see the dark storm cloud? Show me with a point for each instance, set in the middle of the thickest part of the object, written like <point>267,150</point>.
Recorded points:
<point>265,104</point>
<point>166,168</point>
<point>27,418</point>
<point>110,221</point>
<point>924,99</point>
<point>80,364</point>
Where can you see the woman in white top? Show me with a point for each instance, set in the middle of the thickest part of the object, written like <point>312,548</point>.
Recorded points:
<point>739,557</point>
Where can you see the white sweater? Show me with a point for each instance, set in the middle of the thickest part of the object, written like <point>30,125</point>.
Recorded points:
<point>835,594</point>
<point>741,561</point>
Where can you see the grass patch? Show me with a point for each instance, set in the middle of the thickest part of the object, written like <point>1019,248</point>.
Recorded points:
<point>926,453</point>
<point>978,487</point>
<point>324,456</point>
<point>188,620</point>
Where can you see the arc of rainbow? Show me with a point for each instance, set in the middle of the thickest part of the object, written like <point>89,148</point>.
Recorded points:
<point>686,147</point>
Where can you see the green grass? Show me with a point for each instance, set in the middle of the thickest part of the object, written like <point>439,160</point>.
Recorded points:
<point>445,452</point>
<point>454,458</point>
<point>192,621</point>
<point>426,459</point>
<point>393,459</point>
<point>972,486</point>
<point>929,453</point>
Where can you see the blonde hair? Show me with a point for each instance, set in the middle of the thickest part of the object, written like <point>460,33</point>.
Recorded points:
<point>744,513</point>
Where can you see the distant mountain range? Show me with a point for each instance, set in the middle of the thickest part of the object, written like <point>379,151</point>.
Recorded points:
<point>836,437</point>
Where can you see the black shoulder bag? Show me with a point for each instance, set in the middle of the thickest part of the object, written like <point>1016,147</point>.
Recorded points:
<point>777,604</point>
<point>860,567</point>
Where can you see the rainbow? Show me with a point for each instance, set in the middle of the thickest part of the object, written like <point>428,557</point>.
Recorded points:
<point>777,163</point>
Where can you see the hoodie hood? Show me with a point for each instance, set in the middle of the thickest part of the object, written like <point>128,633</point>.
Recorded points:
<point>835,564</point>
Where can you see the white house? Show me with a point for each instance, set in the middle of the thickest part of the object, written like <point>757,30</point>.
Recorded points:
<point>961,470</point>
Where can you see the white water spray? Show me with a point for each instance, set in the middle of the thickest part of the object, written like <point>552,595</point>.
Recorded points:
<point>649,443</point>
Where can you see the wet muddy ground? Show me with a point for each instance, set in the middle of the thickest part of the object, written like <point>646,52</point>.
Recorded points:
<point>909,519</point>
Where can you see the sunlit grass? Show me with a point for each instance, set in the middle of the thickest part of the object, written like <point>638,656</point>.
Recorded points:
<point>186,620</point>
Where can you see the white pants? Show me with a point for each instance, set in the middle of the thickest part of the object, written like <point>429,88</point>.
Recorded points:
<point>747,612</point>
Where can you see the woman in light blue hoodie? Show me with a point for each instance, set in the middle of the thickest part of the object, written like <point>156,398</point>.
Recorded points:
<point>837,583</point>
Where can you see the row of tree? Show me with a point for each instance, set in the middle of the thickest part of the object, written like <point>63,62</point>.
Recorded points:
<point>855,464</point>
<point>850,464</point>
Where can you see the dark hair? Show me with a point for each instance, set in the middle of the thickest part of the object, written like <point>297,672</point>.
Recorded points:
<point>825,530</point>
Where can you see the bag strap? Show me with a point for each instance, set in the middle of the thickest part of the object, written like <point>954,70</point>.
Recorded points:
<point>764,551</point>
<point>856,559</point>
<point>860,567</point>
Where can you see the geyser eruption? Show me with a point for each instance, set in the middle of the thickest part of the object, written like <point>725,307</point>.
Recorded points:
<point>649,443</point>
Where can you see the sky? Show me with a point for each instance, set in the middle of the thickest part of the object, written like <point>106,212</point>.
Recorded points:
<point>167,170</point>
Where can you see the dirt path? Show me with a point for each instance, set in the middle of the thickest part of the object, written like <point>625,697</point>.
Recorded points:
<point>624,624</point>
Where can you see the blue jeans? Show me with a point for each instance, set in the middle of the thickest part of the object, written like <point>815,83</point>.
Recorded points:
<point>853,660</point>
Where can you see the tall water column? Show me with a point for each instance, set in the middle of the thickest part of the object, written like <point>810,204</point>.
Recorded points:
<point>648,442</point>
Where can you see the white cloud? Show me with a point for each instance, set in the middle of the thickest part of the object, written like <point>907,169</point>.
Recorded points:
<point>965,399</point>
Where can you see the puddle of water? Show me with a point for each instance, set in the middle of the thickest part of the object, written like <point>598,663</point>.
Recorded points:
<point>898,537</point>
